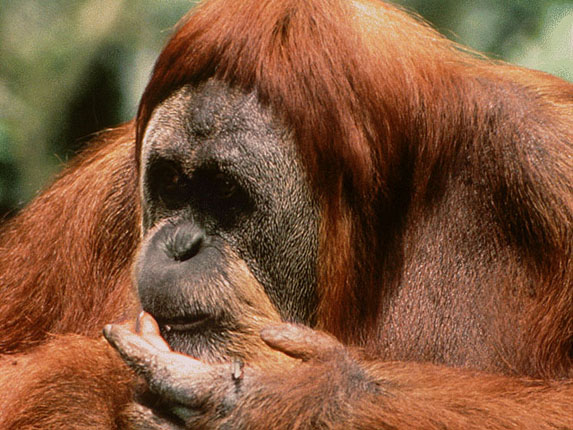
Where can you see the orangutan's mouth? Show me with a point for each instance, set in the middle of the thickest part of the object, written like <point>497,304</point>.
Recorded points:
<point>201,335</point>
<point>192,323</point>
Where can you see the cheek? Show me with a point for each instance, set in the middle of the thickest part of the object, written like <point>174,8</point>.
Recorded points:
<point>281,250</point>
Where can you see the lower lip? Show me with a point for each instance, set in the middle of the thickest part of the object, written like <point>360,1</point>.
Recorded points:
<point>191,325</point>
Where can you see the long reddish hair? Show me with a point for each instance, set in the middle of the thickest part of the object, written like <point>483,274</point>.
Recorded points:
<point>377,120</point>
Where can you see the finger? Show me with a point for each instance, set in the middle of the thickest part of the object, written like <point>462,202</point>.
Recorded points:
<point>142,418</point>
<point>149,330</point>
<point>143,356</point>
<point>174,377</point>
<point>132,347</point>
<point>299,341</point>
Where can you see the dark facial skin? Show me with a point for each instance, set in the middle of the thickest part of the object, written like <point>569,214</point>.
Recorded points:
<point>223,191</point>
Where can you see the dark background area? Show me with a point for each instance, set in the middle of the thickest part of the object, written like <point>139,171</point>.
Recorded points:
<point>69,68</point>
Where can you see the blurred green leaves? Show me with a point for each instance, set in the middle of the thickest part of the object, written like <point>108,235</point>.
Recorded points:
<point>551,48</point>
<point>71,67</point>
<point>67,69</point>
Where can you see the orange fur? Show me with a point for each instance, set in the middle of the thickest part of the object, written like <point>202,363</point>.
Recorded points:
<point>445,184</point>
<point>65,260</point>
<point>385,111</point>
<point>69,382</point>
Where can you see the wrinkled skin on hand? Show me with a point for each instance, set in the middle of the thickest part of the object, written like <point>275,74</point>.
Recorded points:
<point>181,392</point>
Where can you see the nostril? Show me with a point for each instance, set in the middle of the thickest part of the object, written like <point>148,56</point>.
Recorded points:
<point>184,243</point>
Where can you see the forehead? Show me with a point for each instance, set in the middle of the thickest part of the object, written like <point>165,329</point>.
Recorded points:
<point>212,117</point>
<point>215,128</point>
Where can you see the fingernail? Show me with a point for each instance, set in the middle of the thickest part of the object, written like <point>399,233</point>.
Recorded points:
<point>237,370</point>
<point>148,324</point>
<point>107,330</point>
<point>138,322</point>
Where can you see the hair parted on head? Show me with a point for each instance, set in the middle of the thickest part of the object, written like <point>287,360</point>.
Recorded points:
<point>379,105</point>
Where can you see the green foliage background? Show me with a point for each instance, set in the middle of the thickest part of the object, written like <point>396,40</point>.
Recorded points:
<point>71,67</point>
